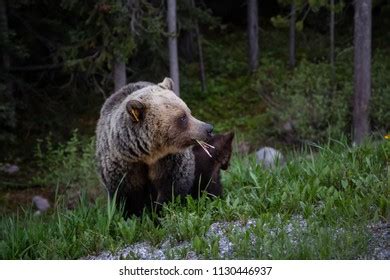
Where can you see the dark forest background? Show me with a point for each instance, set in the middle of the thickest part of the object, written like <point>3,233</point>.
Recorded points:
<point>60,60</point>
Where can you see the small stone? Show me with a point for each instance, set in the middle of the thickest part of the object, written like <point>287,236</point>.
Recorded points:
<point>41,203</point>
<point>269,157</point>
<point>37,213</point>
<point>191,255</point>
<point>10,168</point>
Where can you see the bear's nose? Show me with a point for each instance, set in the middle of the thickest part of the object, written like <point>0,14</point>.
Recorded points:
<point>209,128</point>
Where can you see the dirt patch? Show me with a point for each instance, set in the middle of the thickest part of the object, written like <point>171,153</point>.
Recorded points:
<point>14,200</point>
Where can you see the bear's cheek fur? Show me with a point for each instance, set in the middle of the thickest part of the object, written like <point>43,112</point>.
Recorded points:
<point>183,136</point>
<point>167,139</point>
<point>170,135</point>
<point>179,137</point>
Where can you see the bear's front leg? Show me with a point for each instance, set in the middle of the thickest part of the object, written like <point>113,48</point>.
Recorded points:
<point>172,176</point>
<point>130,187</point>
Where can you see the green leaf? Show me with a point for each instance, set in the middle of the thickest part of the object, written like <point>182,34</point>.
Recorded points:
<point>279,21</point>
<point>299,26</point>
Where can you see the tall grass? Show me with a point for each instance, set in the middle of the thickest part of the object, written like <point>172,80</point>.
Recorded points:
<point>316,207</point>
<point>71,164</point>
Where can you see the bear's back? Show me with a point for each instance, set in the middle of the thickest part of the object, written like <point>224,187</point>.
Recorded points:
<point>115,99</point>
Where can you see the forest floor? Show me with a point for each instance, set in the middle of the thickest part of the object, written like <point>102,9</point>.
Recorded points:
<point>327,202</point>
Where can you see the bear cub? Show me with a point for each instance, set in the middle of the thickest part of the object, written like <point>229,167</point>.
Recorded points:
<point>208,169</point>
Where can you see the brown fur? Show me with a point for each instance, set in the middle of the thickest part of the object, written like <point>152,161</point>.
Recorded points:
<point>143,144</point>
<point>207,170</point>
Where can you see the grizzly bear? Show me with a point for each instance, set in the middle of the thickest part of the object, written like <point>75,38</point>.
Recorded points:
<point>208,169</point>
<point>143,145</point>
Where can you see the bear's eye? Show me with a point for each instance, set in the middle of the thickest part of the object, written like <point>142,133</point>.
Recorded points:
<point>183,119</point>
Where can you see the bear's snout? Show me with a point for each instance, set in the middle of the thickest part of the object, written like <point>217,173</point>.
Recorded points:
<point>206,130</point>
<point>209,128</point>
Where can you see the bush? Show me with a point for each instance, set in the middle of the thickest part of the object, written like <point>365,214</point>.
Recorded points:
<point>67,165</point>
<point>305,99</point>
<point>380,101</point>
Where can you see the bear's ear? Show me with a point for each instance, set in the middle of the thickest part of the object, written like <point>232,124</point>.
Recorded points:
<point>228,137</point>
<point>226,150</point>
<point>167,83</point>
<point>136,110</point>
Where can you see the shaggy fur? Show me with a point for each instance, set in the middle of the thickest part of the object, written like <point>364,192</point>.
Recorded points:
<point>144,136</point>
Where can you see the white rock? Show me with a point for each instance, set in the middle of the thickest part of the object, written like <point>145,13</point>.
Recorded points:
<point>10,168</point>
<point>269,157</point>
<point>42,204</point>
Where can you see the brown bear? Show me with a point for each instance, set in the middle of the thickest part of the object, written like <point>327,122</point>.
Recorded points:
<point>208,169</point>
<point>143,143</point>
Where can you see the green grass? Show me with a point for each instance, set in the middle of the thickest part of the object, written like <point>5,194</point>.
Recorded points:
<point>336,189</point>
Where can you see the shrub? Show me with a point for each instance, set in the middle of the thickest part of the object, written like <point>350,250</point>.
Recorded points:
<point>304,98</point>
<point>71,164</point>
<point>380,101</point>
<point>316,110</point>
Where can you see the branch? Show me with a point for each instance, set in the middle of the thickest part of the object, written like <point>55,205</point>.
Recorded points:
<point>36,67</point>
<point>44,67</point>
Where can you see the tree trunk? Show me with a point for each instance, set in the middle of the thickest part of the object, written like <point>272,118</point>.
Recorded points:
<point>6,95</point>
<point>119,73</point>
<point>292,36</point>
<point>253,34</point>
<point>362,69</point>
<point>200,53</point>
<point>172,45</point>
<point>331,27</point>
<point>118,63</point>
<point>133,7</point>
<point>331,54</point>
<point>4,35</point>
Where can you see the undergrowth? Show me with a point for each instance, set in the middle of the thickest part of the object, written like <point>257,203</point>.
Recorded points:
<point>337,190</point>
<point>278,104</point>
<point>70,164</point>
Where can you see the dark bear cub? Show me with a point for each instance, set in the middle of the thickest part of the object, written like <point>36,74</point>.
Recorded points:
<point>208,169</point>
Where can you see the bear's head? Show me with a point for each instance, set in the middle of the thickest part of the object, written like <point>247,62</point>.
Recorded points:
<point>220,155</point>
<point>223,146</point>
<point>161,123</point>
<point>209,164</point>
